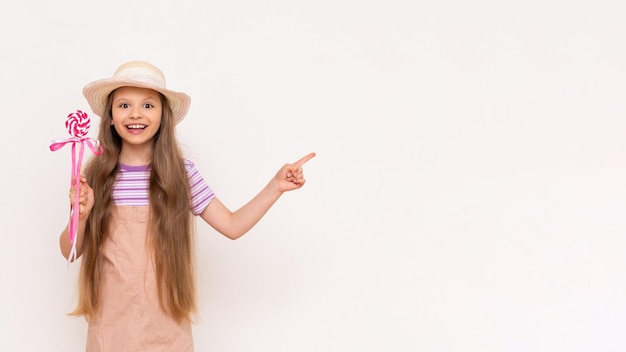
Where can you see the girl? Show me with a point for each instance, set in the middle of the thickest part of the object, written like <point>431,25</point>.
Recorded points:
<point>135,230</point>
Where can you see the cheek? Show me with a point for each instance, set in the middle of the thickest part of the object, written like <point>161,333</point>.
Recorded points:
<point>117,125</point>
<point>116,128</point>
<point>157,121</point>
<point>115,117</point>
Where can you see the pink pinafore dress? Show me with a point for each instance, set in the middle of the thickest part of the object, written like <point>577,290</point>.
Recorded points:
<point>129,316</point>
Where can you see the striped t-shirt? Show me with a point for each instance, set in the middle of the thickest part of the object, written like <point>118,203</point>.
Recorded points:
<point>131,187</point>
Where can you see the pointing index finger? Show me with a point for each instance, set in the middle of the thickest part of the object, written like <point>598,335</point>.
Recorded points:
<point>304,159</point>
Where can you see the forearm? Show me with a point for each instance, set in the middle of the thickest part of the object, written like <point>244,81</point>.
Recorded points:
<point>251,213</point>
<point>66,244</point>
<point>235,224</point>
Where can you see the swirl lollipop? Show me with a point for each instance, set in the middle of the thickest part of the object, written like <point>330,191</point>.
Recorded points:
<point>77,125</point>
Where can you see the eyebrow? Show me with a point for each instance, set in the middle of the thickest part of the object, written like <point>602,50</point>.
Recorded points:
<point>115,100</point>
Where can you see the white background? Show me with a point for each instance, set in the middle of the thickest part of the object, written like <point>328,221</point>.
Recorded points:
<point>468,193</point>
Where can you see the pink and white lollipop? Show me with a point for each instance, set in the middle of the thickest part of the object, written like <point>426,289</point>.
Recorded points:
<point>78,123</point>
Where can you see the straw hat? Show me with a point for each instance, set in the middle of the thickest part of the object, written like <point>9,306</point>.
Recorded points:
<point>135,74</point>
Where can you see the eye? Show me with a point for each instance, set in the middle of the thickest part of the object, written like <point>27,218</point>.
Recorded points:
<point>124,105</point>
<point>148,106</point>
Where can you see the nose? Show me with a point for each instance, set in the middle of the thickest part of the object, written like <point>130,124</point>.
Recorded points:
<point>135,112</point>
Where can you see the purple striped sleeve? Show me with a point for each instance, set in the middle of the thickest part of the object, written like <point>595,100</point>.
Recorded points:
<point>201,193</point>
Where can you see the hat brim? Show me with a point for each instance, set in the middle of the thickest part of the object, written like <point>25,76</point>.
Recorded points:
<point>97,93</point>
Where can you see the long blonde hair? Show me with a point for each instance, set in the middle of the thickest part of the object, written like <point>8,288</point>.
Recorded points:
<point>170,218</point>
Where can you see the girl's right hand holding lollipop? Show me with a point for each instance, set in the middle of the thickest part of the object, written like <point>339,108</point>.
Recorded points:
<point>85,198</point>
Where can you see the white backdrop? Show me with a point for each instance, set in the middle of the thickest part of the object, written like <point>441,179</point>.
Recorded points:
<point>468,193</point>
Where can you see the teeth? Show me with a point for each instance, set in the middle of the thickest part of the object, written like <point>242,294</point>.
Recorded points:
<point>136,126</point>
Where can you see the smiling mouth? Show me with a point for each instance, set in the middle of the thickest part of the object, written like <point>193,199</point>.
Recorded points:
<point>136,127</point>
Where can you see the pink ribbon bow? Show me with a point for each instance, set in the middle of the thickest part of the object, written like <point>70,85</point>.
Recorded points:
<point>96,148</point>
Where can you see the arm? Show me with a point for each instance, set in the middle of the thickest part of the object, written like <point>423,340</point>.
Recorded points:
<point>86,203</point>
<point>235,224</point>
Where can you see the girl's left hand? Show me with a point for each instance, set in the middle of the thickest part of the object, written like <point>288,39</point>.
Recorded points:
<point>291,176</point>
